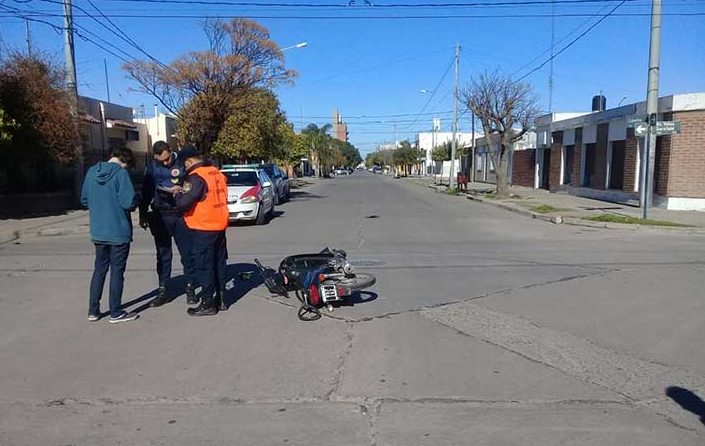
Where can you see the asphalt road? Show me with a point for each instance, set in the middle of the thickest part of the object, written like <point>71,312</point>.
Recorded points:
<point>484,327</point>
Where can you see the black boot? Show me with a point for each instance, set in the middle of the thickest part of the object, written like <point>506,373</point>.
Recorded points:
<point>207,308</point>
<point>191,297</point>
<point>161,298</point>
<point>221,301</point>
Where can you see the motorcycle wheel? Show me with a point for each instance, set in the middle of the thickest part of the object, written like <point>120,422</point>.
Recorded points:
<point>359,282</point>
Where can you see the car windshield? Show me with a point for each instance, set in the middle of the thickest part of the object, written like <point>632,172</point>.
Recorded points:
<point>241,178</point>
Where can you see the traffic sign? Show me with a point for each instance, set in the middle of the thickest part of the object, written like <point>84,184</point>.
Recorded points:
<point>667,127</point>
<point>641,129</point>
<point>634,120</point>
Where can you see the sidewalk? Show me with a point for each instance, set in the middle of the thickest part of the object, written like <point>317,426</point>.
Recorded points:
<point>570,209</point>
<point>76,222</point>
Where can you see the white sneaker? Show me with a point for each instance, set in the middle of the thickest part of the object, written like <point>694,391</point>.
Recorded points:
<point>124,317</point>
<point>93,317</point>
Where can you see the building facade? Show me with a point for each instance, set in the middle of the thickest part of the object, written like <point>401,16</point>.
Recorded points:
<point>160,127</point>
<point>105,126</point>
<point>340,128</point>
<point>597,154</point>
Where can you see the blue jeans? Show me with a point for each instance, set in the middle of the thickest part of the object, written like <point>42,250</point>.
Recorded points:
<point>114,258</point>
<point>165,225</point>
<point>209,256</point>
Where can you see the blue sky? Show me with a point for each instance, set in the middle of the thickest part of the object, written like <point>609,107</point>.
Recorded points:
<point>373,69</point>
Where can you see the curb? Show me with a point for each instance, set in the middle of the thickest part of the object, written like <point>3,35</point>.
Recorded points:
<point>559,219</point>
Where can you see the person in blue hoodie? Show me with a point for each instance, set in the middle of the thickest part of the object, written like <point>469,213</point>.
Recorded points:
<point>110,197</point>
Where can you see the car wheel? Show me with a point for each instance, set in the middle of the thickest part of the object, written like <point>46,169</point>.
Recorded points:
<point>261,217</point>
<point>270,214</point>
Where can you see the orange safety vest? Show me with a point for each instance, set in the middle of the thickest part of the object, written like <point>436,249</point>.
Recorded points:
<point>211,214</point>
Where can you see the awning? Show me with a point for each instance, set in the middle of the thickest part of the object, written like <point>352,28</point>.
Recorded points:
<point>85,117</point>
<point>111,123</point>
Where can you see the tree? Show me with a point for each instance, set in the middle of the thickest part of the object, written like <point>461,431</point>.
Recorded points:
<point>255,133</point>
<point>202,88</point>
<point>38,132</point>
<point>507,110</point>
<point>319,140</point>
<point>407,156</point>
<point>348,151</point>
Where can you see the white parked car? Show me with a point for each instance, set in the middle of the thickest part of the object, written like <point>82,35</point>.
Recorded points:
<point>250,195</point>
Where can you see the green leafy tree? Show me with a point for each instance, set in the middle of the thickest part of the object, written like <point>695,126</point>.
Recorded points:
<point>256,133</point>
<point>319,140</point>
<point>203,88</point>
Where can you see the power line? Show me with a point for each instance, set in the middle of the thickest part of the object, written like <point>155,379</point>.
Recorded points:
<point>572,42</point>
<point>370,17</point>
<point>371,7</point>
<point>433,93</point>
<point>121,35</point>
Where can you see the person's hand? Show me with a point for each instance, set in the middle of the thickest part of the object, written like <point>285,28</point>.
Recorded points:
<point>144,224</point>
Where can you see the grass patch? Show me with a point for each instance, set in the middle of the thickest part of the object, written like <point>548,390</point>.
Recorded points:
<point>494,196</point>
<point>613,218</point>
<point>545,209</point>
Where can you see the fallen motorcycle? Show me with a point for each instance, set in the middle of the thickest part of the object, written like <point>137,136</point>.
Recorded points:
<point>318,280</point>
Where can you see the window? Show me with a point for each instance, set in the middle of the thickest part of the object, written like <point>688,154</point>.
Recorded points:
<point>241,178</point>
<point>589,172</point>
<point>132,135</point>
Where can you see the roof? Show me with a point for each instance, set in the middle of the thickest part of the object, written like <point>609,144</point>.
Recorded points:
<point>85,117</point>
<point>110,123</point>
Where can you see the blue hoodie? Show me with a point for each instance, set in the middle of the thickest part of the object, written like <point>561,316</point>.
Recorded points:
<point>110,197</point>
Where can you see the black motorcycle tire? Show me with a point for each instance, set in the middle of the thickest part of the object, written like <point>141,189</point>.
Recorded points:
<point>359,282</point>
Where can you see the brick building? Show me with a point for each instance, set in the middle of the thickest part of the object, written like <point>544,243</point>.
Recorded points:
<point>597,155</point>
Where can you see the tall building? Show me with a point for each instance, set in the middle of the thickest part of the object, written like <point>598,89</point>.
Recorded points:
<point>340,129</point>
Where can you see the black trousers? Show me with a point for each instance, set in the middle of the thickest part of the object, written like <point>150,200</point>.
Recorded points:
<point>165,225</point>
<point>209,253</point>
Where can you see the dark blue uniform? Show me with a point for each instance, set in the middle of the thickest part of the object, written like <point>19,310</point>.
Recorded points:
<point>165,220</point>
<point>205,240</point>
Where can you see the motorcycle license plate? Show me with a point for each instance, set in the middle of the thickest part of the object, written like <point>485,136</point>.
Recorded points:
<point>330,293</point>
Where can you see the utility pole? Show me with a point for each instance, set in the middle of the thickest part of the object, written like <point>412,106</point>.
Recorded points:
<point>553,39</point>
<point>455,118</point>
<point>107,81</point>
<point>472,147</point>
<point>70,56</point>
<point>647,168</point>
<point>28,37</point>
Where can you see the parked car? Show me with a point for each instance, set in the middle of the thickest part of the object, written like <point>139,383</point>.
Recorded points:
<point>280,182</point>
<point>376,169</point>
<point>338,172</point>
<point>250,194</point>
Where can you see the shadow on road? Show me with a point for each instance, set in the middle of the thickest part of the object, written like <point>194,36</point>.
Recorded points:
<point>298,195</point>
<point>360,297</point>
<point>688,401</point>
<point>240,277</point>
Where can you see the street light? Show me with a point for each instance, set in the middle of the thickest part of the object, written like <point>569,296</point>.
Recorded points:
<point>298,45</point>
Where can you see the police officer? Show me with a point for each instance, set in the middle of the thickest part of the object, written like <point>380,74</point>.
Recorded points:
<point>203,200</point>
<point>164,176</point>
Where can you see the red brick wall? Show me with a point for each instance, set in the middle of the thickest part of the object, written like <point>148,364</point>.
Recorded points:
<point>600,156</point>
<point>523,165</point>
<point>631,151</point>
<point>554,172</point>
<point>662,165</point>
<point>686,156</point>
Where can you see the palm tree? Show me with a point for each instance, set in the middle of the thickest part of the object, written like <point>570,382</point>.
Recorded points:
<point>319,139</point>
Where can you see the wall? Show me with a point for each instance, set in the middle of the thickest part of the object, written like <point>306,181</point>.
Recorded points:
<point>686,175</point>
<point>523,167</point>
